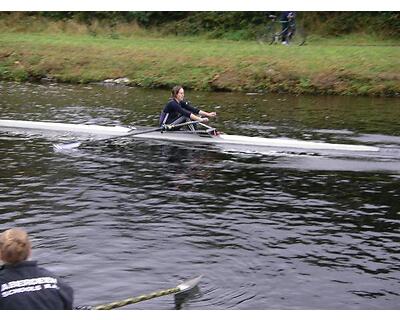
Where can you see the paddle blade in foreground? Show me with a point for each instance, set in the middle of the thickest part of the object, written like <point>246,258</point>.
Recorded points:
<point>189,284</point>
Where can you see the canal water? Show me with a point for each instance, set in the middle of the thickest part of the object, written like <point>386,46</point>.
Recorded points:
<point>266,229</point>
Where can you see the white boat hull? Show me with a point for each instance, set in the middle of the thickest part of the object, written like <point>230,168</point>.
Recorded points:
<point>65,127</point>
<point>228,139</point>
<point>183,136</point>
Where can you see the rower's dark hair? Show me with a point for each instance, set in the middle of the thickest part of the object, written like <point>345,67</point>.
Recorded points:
<point>175,91</point>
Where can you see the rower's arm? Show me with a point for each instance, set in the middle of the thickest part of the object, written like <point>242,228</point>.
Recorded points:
<point>207,114</point>
<point>196,113</point>
<point>197,118</point>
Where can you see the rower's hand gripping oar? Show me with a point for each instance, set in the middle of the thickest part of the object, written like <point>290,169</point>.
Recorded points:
<point>74,145</point>
<point>184,287</point>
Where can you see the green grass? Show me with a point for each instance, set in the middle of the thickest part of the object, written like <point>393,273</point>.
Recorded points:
<point>348,66</point>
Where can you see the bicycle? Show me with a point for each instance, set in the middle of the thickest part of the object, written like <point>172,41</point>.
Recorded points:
<point>273,33</point>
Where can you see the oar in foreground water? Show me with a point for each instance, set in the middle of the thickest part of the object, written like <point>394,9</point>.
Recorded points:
<point>134,132</point>
<point>184,287</point>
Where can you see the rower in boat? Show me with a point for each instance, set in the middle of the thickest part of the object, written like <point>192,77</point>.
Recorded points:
<point>178,111</point>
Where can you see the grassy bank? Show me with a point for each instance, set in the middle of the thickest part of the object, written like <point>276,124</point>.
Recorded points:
<point>324,66</point>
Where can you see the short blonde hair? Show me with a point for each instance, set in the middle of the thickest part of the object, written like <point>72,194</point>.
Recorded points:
<point>14,246</point>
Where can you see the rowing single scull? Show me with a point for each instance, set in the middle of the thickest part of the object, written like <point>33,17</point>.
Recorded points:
<point>207,136</point>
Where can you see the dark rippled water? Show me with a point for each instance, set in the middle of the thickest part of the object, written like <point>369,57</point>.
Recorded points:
<point>267,230</point>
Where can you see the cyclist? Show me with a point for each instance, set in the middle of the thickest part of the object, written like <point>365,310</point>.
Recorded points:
<point>287,18</point>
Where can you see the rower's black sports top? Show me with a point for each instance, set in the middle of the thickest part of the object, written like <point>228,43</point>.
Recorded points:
<point>173,110</point>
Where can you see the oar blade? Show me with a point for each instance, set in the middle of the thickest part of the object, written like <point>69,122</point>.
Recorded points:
<point>189,284</point>
<point>66,146</point>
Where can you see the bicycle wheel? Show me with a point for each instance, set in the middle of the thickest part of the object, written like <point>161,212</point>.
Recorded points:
<point>298,37</point>
<point>267,35</point>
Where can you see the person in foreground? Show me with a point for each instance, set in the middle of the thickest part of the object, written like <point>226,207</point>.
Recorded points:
<point>177,110</point>
<point>24,285</point>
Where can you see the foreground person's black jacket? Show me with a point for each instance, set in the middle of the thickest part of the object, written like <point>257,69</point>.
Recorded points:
<point>25,286</point>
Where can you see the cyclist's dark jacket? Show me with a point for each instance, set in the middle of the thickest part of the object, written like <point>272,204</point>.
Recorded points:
<point>173,110</point>
<point>25,286</point>
<point>285,15</point>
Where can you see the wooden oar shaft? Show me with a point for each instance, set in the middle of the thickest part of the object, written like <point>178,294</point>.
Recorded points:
<point>180,289</point>
<point>119,304</point>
